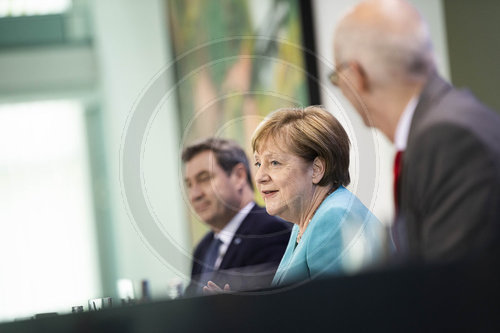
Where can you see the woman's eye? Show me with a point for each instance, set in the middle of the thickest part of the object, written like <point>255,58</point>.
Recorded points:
<point>275,163</point>
<point>257,164</point>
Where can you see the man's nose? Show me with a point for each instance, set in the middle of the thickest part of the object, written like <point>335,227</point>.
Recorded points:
<point>195,193</point>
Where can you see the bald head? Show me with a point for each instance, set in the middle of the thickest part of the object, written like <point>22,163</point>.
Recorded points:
<point>388,38</point>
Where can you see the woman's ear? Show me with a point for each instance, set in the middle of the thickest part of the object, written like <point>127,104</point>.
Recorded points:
<point>318,169</point>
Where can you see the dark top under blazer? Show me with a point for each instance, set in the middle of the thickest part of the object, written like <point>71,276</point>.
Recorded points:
<point>449,191</point>
<point>253,255</point>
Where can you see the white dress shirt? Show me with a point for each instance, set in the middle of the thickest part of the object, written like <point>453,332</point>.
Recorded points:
<point>226,235</point>
<point>404,123</point>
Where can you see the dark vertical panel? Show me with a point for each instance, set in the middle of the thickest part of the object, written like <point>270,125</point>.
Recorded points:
<point>473,33</point>
<point>173,56</point>
<point>309,42</point>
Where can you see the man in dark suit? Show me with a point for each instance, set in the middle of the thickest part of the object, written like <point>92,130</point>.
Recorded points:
<point>245,244</point>
<point>447,170</point>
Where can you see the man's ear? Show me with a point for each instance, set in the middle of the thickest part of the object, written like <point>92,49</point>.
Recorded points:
<point>319,167</point>
<point>357,77</point>
<point>240,175</point>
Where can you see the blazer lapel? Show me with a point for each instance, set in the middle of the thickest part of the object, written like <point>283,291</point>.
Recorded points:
<point>287,257</point>
<point>238,240</point>
<point>434,89</point>
<point>200,252</point>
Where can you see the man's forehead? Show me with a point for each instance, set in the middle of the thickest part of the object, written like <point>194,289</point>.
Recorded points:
<point>204,161</point>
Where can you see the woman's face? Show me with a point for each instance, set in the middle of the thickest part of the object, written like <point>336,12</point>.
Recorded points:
<point>284,180</point>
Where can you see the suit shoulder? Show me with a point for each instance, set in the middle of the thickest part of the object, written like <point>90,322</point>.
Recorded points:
<point>340,208</point>
<point>460,109</point>
<point>258,221</point>
<point>458,116</point>
<point>341,200</point>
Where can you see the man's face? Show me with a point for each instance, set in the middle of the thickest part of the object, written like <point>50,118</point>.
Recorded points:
<point>354,97</point>
<point>349,83</point>
<point>212,192</point>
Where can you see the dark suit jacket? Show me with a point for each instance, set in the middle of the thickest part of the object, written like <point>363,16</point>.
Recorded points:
<point>449,194</point>
<point>252,257</point>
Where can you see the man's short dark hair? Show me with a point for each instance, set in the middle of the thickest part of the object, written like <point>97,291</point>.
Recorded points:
<point>227,153</point>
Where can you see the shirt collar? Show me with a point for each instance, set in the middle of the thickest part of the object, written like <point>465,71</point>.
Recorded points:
<point>227,233</point>
<point>403,127</point>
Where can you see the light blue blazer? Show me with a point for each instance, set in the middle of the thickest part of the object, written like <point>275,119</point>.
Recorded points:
<point>342,237</point>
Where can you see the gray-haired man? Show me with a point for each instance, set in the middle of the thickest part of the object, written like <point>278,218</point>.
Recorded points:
<point>448,166</point>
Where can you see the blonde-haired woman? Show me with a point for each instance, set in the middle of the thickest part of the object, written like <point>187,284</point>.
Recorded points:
<point>302,157</point>
<point>302,160</point>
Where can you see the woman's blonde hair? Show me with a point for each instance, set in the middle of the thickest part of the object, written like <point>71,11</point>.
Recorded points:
<point>309,133</point>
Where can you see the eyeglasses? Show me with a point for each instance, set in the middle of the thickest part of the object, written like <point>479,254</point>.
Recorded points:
<point>334,76</point>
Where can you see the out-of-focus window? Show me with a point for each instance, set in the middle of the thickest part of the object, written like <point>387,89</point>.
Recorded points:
<point>47,232</point>
<point>33,7</point>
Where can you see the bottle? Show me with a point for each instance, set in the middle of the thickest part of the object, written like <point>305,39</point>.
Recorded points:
<point>146,296</point>
<point>77,308</point>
